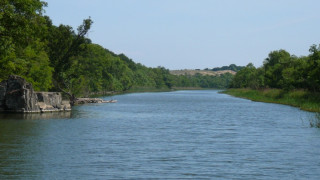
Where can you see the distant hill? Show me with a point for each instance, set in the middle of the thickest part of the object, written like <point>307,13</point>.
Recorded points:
<point>231,67</point>
<point>202,72</point>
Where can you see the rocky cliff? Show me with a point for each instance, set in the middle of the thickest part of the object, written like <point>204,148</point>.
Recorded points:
<point>17,95</point>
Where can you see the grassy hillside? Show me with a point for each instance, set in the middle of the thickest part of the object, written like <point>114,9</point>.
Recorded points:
<point>202,72</point>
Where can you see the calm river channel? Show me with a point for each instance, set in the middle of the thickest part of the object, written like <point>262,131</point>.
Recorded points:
<point>167,135</point>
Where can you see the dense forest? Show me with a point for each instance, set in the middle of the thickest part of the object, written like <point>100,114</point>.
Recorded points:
<point>281,70</point>
<point>203,81</point>
<point>59,58</point>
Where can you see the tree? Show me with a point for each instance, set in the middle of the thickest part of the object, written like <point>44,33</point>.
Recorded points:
<point>248,77</point>
<point>22,48</point>
<point>63,48</point>
<point>64,43</point>
<point>21,23</point>
<point>313,78</point>
<point>274,65</point>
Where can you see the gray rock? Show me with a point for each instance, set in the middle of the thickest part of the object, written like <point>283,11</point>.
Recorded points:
<point>20,96</point>
<point>52,98</point>
<point>52,101</point>
<point>92,100</point>
<point>17,95</point>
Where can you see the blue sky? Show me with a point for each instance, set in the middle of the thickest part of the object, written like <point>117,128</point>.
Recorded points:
<point>191,34</point>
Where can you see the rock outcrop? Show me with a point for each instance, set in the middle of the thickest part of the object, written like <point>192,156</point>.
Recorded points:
<point>52,101</point>
<point>92,100</point>
<point>17,95</point>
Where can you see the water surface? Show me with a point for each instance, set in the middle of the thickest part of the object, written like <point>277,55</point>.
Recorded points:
<point>182,134</point>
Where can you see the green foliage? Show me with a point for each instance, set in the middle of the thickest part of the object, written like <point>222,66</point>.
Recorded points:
<point>22,29</point>
<point>283,71</point>
<point>21,23</point>
<point>64,44</point>
<point>32,63</point>
<point>274,65</point>
<point>297,80</point>
<point>248,77</point>
<point>128,61</point>
<point>313,75</point>
<point>38,71</point>
<point>203,81</point>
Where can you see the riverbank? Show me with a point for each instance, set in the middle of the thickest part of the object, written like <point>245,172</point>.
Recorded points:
<point>146,89</point>
<point>153,89</point>
<point>192,88</point>
<point>298,98</point>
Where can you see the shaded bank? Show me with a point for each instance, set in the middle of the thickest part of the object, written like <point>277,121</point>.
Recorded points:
<point>304,100</point>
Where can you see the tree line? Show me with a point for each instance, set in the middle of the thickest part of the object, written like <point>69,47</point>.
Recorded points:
<point>282,70</point>
<point>204,81</point>
<point>231,67</point>
<point>59,58</point>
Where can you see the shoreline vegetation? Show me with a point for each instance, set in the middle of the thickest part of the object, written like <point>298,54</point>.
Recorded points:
<point>302,99</point>
<point>283,78</point>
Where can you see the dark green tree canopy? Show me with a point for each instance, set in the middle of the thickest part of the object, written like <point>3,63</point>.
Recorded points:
<point>284,71</point>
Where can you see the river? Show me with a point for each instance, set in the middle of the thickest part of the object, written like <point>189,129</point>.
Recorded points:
<point>167,135</point>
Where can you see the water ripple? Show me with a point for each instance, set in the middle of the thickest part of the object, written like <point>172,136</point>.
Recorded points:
<point>172,135</point>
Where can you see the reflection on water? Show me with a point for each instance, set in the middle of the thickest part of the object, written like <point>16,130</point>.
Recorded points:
<point>35,116</point>
<point>22,143</point>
